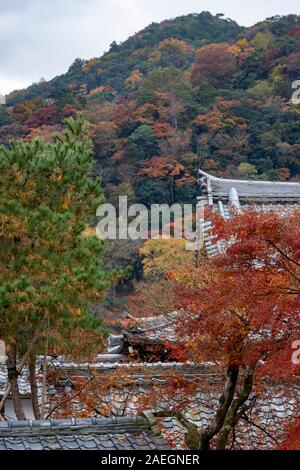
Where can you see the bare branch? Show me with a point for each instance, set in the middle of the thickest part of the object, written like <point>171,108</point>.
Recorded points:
<point>283,253</point>
<point>246,418</point>
<point>70,398</point>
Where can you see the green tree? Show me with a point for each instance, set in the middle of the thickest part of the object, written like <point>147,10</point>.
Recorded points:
<point>142,143</point>
<point>5,118</point>
<point>247,171</point>
<point>151,191</point>
<point>49,272</point>
<point>169,80</point>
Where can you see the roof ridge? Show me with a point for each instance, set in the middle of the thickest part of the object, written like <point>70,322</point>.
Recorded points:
<point>252,182</point>
<point>108,425</point>
<point>114,433</point>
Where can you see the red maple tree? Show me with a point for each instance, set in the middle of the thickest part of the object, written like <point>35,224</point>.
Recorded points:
<point>241,309</point>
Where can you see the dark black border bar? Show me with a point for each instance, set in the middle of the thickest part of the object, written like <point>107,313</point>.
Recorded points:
<point>132,459</point>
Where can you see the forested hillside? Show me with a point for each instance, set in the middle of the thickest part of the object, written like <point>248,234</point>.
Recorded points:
<point>198,90</point>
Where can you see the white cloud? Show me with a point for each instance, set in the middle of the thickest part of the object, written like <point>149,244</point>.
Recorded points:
<point>8,84</point>
<point>42,39</point>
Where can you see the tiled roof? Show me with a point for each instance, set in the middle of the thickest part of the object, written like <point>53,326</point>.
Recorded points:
<point>126,433</point>
<point>141,371</point>
<point>223,194</point>
<point>250,190</point>
<point>158,330</point>
<point>273,409</point>
<point>262,428</point>
<point>23,381</point>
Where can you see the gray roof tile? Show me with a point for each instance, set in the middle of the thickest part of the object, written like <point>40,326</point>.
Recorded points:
<point>246,189</point>
<point>262,195</point>
<point>32,444</point>
<point>75,434</point>
<point>87,442</point>
<point>14,444</point>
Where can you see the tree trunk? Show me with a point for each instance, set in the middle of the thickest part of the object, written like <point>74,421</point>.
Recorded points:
<point>13,381</point>
<point>34,388</point>
<point>19,370</point>
<point>233,415</point>
<point>171,189</point>
<point>44,381</point>
<point>224,404</point>
<point>192,437</point>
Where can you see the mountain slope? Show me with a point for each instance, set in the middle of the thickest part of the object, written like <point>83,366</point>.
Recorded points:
<point>198,90</point>
<point>115,65</point>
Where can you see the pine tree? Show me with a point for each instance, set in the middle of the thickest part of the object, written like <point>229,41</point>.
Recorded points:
<point>49,271</point>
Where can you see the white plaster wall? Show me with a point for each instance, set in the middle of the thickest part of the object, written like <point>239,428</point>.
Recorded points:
<point>27,407</point>
<point>2,352</point>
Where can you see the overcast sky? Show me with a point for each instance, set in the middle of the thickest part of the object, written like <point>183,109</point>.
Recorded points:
<point>41,38</point>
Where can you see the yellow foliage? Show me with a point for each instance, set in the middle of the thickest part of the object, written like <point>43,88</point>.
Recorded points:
<point>66,200</point>
<point>89,232</point>
<point>242,43</point>
<point>262,40</point>
<point>135,78</point>
<point>161,256</point>
<point>182,46</point>
<point>92,63</point>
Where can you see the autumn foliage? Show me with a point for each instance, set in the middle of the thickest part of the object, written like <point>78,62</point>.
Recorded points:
<point>241,308</point>
<point>215,63</point>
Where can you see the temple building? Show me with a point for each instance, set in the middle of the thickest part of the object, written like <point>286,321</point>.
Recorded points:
<point>225,194</point>
<point>139,358</point>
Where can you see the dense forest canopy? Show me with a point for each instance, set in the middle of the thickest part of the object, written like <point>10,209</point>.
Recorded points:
<point>198,90</point>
